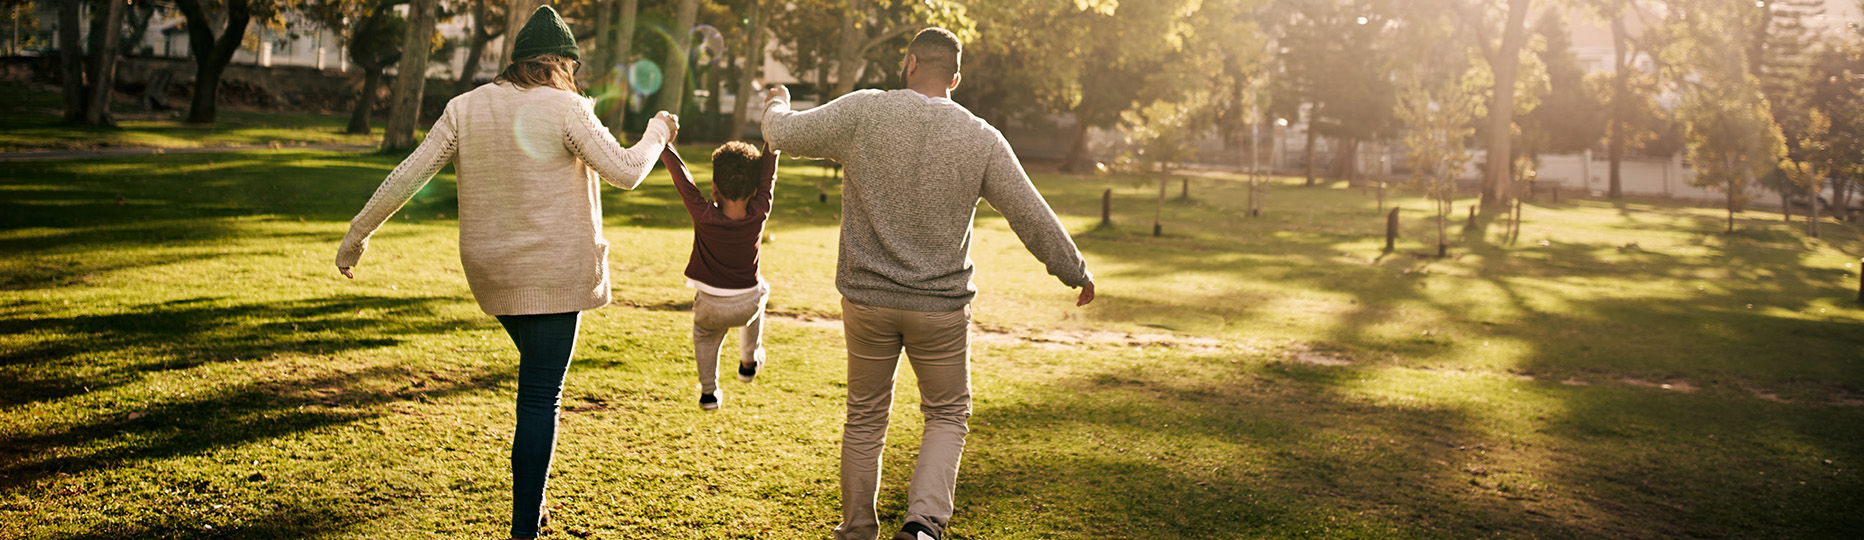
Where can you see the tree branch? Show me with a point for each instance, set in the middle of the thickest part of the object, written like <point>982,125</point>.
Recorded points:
<point>1475,21</point>
<point>884,36</point>
<point>200,31</point>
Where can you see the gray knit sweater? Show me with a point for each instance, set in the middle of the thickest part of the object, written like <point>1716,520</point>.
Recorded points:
<point>915,169</point>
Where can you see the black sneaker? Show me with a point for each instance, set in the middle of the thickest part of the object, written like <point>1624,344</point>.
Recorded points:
<point>709,401</point>
<point>916,531</point>
<point>749,373</point>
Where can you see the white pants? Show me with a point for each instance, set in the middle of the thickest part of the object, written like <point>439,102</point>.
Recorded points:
<point>714,317</point>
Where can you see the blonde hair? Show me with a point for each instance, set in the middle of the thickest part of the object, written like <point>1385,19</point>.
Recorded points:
<point>542,70</point>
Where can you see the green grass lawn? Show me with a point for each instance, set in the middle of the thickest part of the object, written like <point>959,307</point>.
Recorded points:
<point>33,119</point>
<point>187,363</point>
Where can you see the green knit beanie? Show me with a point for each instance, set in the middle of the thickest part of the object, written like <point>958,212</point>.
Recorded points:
<point>545,33</point>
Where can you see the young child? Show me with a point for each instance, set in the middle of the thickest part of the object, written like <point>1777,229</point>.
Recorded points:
<point>726,233</point>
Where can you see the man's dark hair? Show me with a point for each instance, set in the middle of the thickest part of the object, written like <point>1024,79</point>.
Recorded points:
<point>938,50</point>
<point>735,168</point>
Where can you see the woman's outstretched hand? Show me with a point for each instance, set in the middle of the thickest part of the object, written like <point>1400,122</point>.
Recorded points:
<point>346,272</point>
<point>673,124</point>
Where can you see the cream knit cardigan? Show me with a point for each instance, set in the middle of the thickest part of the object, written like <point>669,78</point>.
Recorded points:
<point>530,211</point>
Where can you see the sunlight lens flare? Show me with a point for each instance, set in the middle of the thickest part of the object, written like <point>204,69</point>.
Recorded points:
<point>532,134</point>
<point>644,76</point>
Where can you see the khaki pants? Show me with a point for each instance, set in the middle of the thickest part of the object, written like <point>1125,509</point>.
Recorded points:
<point>938,346</point>
<point>713,319</point>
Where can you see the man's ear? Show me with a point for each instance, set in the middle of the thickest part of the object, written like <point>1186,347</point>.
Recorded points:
<point>955,79</point>
<point>912,64</point>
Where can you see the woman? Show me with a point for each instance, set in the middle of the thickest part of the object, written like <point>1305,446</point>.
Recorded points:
<point>526,149</point>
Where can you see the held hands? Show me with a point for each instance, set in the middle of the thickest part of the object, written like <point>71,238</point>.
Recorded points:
<point>1087,295</point>
<point>777,91</point>
<point>673,124</point>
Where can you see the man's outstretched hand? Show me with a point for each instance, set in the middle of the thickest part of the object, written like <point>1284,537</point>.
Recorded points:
<point>776,92</point>
<point>1087,295</point>
<point>346,272</point>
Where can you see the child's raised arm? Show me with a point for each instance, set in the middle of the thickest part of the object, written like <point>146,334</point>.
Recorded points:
<point>683,181</point>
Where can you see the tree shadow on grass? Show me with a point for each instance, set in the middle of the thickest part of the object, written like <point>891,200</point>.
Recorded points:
<point>233,417</point>
<point>1672,479</point>
<point>71,256</point>
<point>1143,452</point>
<point>294,522</point>
<point>1757,449</point>
<point>314,185</point>
<point>184,333</point>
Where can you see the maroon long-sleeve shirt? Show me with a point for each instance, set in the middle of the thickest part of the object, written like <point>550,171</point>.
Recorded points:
<point>725,250</point>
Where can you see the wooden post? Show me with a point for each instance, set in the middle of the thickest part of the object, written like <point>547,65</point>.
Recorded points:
<point>1158,216</point>
<point>1472,212</point>
<point>1258,198</point>
<point>1252,198</point>
<point>1861,280</point>
<point>1185,191</point>
<point>1514,223</point>
<point>1391,230</point>
<point>1106,208</point>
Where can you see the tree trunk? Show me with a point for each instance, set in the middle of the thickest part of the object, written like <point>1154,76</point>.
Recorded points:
<point>404,110</point>
<point>476,51</point>
<point>597,57</point>
<point>673,91</point>
<point>1311,136</point>
<point>715,97</point>
<point>1621,103</point>
<point>1812,217</point>
<point>1349,161</point>
<point>1842,195</point>
<point>1731,210</point>
<point>1077,160</point>
<point>103,68</point>
<point>1786,205</point>
<point>1757,43</point>
<point>848,58</point>
<point>138,16</point>
<point>365,102</point>
<point>1726,165</point>
<point>748,71</point>
<point>622,49</point>
<point>71,61</point>
<point>211,54</point>
<point>823,87</point>
<point>1505,62</point>
<point>516,14</point>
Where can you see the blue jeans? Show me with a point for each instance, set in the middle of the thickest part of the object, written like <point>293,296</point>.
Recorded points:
<point>545,343</point>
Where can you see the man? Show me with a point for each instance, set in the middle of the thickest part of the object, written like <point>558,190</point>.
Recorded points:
<point>916,165</point>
